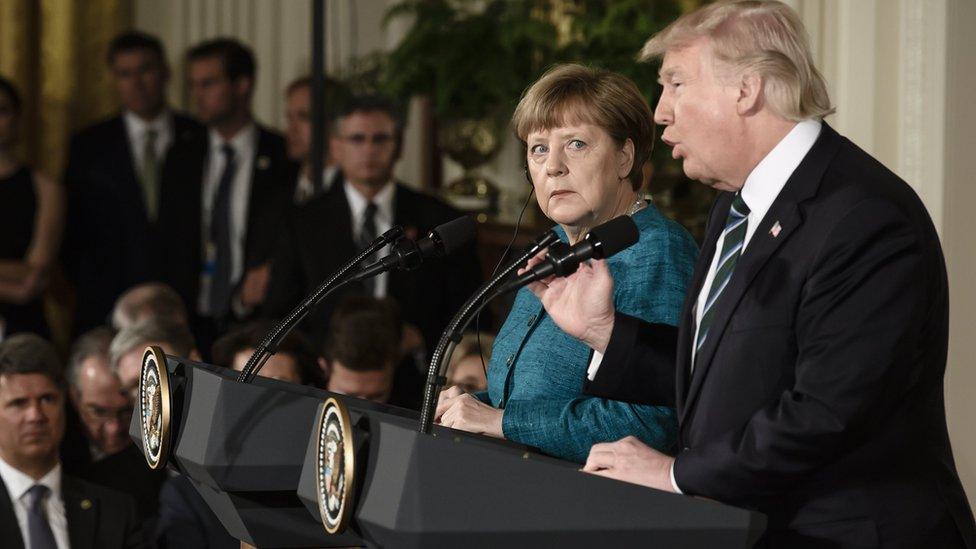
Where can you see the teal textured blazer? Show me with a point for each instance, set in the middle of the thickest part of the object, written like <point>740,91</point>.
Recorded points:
<point>537,371</point>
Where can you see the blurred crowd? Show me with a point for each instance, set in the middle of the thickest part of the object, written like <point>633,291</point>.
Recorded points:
<point>195,234</point>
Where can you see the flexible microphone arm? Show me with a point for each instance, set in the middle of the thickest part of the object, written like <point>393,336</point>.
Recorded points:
<point>452,335</point>
<point>269,345</point>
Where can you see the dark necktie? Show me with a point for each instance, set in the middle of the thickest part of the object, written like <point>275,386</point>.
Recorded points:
<point>149,175</point>
<point>367,234</point>
<point>735,234</point>
<point>220,238</point>
<point>39,531</point>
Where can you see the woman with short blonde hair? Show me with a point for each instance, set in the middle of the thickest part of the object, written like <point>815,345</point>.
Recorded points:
<point>587,135</point>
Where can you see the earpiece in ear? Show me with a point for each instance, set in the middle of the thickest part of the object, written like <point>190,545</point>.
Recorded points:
<point>528,177</point>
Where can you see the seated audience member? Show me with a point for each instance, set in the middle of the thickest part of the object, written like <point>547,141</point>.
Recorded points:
<point>363,357</point>
<point>149,300</point>
<point>467,367</point>
<point>32,210</point>
<point>119,184</point>
<point>332,227</point>
<point>295,361</point>
<point>129,345</point>
<point>40,507</point>
<point>298,137</point>
<point>105,410</point>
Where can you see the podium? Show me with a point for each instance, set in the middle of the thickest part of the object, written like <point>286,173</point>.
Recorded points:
<point>255,454</point>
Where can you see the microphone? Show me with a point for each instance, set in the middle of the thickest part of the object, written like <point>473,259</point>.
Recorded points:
<point>603,241</point>
<point>407,254</point>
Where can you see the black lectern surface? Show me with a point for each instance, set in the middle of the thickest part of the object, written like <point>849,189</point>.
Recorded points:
<point>250,451</point>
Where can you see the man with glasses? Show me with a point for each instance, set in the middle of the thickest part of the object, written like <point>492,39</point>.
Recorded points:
<point>365,142</point>
<point>105,409</point>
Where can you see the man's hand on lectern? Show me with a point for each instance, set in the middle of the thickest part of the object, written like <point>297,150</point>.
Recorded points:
<point>459,410</point>
<point>630,460</point>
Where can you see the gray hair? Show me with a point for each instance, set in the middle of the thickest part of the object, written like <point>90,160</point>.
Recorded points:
<point>151,330</point>
<point>761,36</point>
<point>94,342</point>
<point>149,300</point>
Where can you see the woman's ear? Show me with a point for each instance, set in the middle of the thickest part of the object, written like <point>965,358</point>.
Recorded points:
<point>626,163</point>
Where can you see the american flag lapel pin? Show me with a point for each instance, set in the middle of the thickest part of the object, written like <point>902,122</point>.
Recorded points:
<point>776,229</point>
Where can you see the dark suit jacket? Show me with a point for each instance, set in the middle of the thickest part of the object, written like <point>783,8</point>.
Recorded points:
<point>818,395</point>
<point>273,178</point>
<point>98,518</point>
<point>127,472</point>
<point>109,242</point>
<point>319,238</point>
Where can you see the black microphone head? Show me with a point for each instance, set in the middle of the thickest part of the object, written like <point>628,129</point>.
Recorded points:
<point>614,236</point>
<point>452,235</point>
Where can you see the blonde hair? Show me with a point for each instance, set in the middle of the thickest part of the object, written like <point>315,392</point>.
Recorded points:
<point>762,36</point>
<point>574,93</point>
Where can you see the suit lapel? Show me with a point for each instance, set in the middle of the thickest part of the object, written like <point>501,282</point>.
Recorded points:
<point>405,214</point>
<point>82,514</point>
<point>261,184</point>
<point>686,331</point>
<point>785,212</point>
<point>9,528</point>
<point>126,177</point>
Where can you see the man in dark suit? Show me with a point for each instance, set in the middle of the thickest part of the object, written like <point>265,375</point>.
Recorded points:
<point>115,174</point>
<point>40,507</point>
<point>298,115</point>
<point>238,181</point>
<point>332,227</point>
<point>812,346</point>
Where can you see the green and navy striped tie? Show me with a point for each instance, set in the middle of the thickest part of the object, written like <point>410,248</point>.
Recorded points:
<point>735,234</point>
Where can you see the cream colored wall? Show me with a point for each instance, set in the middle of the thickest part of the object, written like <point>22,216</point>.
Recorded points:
<point>959,234</point>
<point>902,74</point>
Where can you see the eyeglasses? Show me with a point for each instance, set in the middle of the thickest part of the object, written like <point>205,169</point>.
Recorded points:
<point>360,139</point>
<point>105,415</point>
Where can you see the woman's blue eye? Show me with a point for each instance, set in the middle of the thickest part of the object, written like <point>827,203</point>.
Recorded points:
<point>538,149</point>
<point>576,144</point>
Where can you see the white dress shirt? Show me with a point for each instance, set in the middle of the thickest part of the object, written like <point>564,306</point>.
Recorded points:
<point>137,130</point>
<point>245,145</point>
<point>18,483</point>
<point>384,222</point>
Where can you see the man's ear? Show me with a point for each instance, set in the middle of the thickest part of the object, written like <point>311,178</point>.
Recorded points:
<point>195,356</point>
<point>74,396</point>
<point>751,98</point>
<point>325,366</point>
<point>244,86</point>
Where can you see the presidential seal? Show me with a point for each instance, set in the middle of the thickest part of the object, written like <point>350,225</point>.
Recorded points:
<point>154,407</point>
<point>335,466</point>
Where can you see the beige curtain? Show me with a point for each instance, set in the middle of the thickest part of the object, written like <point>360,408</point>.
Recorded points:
<point>54,52</point>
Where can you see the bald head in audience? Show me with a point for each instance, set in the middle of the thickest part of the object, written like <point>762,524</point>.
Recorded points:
<point>149,300</point>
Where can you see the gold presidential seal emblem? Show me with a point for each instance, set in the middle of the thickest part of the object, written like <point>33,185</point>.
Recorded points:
<point>154,407</point>
<point>335,466</point>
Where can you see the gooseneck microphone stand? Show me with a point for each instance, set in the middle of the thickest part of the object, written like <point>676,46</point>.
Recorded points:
<point>269,345</point>
<point>452,335</point>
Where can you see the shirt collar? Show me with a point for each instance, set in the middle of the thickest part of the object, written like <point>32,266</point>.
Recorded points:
<point>138,126</point>
<point>242,142</point>
<point>769,177</point>
<point>19,482</point>
<point>383,200</point>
